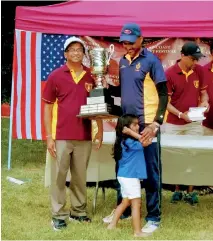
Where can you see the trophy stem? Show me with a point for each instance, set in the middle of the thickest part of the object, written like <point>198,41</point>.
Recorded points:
<point>99,79</point>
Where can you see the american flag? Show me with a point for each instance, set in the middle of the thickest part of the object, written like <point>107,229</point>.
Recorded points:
<point>36,55</point>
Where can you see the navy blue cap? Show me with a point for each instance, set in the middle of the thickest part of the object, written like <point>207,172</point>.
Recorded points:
<point>192,49</point>
<point>130,32</point>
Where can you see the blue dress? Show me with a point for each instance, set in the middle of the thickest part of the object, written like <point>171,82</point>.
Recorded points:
<point>132,164</point>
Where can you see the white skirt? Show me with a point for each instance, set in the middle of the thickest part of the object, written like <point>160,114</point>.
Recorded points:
<point>130,187</point>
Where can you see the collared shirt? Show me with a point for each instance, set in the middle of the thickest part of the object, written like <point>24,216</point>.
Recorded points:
<point>132,164</point>
<point>138,79</point>
<point>68,94</point>
<point>208,68</point>
<point>184,89</point>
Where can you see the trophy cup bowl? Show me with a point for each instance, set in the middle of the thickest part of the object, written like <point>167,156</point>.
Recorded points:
<point>100,104</point>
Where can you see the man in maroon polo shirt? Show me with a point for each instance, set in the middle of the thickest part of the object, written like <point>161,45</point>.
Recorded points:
<point>68,136</point>
<point>187,88</point>
<point>208,122</point>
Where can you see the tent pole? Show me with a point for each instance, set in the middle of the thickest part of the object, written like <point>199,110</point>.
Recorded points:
<point>11,127</point>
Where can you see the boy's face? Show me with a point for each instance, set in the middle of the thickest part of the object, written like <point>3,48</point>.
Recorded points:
<point>134,126</point>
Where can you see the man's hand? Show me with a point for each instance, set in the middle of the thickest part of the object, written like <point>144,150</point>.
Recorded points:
<point>148,134</point>
<point>105,83</point>
<point>185,117</point>
<point>205,104</point>
<point>51,146</point>
<point>99,139</point>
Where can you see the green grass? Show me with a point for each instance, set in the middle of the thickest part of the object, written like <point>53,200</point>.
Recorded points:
<point>26,208</point>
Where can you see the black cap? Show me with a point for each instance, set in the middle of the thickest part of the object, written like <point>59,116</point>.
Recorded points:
<point>192,49</point>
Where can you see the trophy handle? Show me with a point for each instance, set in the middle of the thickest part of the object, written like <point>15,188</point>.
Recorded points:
<point>110,53</point>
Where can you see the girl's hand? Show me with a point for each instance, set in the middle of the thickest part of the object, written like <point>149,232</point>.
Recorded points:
<point>146,143</point>
<point>126,130</point>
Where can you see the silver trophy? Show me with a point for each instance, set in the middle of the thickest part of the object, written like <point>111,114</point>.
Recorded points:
<point>99,101</point>
<point>99,62</point>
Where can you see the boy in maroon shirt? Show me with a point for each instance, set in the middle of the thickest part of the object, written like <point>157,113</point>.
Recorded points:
<point>187,88</point>
<point>208,122</point>
<point>68,136</point>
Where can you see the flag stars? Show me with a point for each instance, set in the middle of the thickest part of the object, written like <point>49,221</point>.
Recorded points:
<point>52,53</point>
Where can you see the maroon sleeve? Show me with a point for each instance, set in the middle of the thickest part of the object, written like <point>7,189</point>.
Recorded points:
<point>49,93</point>
<point>203,80</point>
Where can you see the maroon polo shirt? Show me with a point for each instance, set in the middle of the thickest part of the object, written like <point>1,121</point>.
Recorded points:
<point>184,89</point>
<point>208,122</point>
<point>70,96</point>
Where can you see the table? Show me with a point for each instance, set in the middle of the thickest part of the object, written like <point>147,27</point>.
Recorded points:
<point>186,160</point>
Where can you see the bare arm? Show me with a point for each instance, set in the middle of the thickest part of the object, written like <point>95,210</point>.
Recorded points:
<point>137,136</point>
<point>48,127</point>
<point>48,118</point>
<point>99,134</point>
<point>178,113</point>
<point>204,96</point>
<point>204,99</point>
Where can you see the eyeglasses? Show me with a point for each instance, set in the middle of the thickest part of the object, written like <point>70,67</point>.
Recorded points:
<point>78,51</point>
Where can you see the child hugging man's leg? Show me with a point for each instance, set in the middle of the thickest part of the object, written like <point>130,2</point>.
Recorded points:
<point>129,155</point>
<point>131,193</point>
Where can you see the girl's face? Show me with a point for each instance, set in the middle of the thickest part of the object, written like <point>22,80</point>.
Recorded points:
<point>134,126</point>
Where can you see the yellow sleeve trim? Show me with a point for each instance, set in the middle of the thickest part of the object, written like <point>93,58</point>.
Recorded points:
<point>54,119</point>
<point>50,102</point>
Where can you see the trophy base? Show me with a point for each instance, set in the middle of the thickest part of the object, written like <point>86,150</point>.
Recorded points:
<point>103,111</point>
<point>101,93</point>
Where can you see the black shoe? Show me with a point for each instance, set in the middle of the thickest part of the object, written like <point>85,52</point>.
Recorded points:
<point>67,184</point>
<point>176,197</point>
<point>80,219</point>
<point>58,224</point>
<point>191,198</point>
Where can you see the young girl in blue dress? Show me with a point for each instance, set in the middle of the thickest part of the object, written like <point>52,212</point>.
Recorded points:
<point>128,152</point>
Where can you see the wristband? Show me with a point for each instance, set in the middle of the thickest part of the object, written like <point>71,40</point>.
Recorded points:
<point>179,114</point>
<point>153,129</point>
<point>157,124</point>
